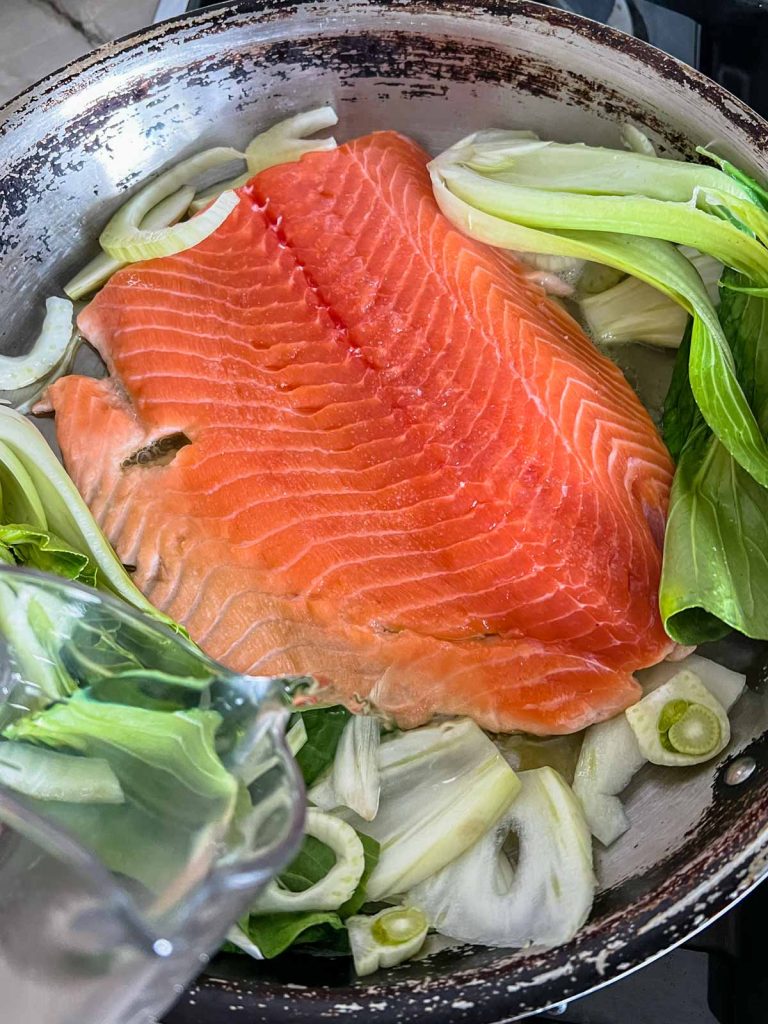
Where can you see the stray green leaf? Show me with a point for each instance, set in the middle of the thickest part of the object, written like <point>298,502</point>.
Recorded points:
<point>324,728</point>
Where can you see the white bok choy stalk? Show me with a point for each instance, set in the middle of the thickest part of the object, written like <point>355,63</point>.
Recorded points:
<point>50,775</point>
<point>611,755</point>
<point>355,774</point>
<point>634,311</point>
<point>340,882</point>
<point>48,358</point>
<point>283,143</point>
<point>442,788</point>
<point>544,899</point>
<point>625,210</point>
<point>385,939</point>
<point>635,140</point>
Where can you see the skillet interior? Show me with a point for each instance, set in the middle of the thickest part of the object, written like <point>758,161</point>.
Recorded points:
<point>72,144</point>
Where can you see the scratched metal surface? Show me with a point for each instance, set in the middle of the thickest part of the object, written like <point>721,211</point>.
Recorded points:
<point>70,147</point>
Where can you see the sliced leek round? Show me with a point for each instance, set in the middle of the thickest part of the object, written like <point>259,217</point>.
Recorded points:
<point>680,723</point>
<point>387,938</point>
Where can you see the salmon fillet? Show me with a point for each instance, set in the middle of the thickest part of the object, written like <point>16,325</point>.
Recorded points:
<point>408,472</point>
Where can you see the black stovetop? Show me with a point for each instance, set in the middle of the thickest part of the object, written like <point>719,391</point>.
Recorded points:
<point>721,976</point>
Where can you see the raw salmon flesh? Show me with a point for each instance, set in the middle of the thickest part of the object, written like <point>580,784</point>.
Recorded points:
<point>339,438</point>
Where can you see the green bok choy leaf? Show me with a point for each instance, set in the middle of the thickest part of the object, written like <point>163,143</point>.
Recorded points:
<point>715,569</point>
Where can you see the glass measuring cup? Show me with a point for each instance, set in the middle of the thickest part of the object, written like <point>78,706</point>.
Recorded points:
<point>123,866</point>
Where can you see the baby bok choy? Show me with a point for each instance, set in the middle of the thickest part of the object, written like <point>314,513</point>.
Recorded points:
<point>178,797</point>
<point>626,210</point>
<point>716,506</point>
<point>540,901</point>
<point>442,788</point>
<point>633,311</point>
<point>50,775</point>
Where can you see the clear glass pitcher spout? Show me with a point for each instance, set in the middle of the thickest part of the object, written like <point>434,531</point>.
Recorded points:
<point>146,797</point>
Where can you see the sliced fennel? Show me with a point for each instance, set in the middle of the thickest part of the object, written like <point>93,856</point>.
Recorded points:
<point>543,901</point>
<point>386,939</point>
<point>49,775</point>
<point>680,723</point>
<point>207,195</point>
<point>124,238</point>
<point>355,776</point>
<point>725,685</point>
<point>286,141</point>
<point>489,207</point>
<point>102,267</point>
<point>634,311</point>
<point>337,886</point>
<point>442,787</point>
<point>610,758</point>
<point>36,490</point>
<point>283,143</point>
<point>50,355</point>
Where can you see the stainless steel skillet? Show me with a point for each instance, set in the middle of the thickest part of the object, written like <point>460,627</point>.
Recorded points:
<point>70,145</point>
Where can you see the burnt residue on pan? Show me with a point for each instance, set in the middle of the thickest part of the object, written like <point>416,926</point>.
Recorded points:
<point>205,78</point>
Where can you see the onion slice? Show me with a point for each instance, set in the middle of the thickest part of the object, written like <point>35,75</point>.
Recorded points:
<point>125,240</point>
